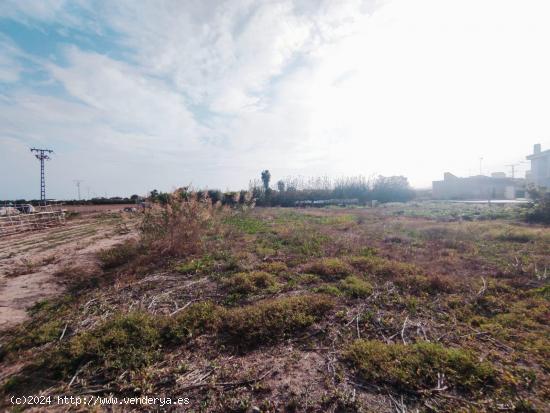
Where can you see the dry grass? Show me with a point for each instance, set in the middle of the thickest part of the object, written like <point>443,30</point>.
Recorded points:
<point>311,310</point>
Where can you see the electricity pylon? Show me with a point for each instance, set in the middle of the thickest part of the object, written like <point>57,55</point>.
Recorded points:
<point>42,155</point>
<point>78,182</point>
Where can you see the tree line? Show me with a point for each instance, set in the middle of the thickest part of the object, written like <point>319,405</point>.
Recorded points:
<point>294,190</point>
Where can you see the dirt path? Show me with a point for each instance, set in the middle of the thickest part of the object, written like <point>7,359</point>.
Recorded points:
<point>28,261</point>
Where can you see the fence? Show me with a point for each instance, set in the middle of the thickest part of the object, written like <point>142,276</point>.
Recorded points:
<point>45,217</point>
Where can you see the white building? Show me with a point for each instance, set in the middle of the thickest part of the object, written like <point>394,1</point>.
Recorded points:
<point>540,167</point>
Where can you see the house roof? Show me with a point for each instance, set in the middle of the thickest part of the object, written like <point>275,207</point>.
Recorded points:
<point>539,155</point>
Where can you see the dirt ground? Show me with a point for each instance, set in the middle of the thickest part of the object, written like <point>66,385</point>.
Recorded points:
<point>28,261</point>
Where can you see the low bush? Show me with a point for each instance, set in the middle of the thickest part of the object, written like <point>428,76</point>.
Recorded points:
<point>416,367</point>
<point>248,283</point>
<point>198,318</point>
<point>118,255</point>
<point>516,235</point>
<point>539,211</point>
<point>194,266</point>
<point>355,287</point>
<point>38,335</point>
<point>127,341</point>
<point>329,268</point>
<point>46,324</point>
<point>329,289</point>
<point>416,284</point>
<point>272,320</point>
<point>383,267</point>
<point>181,226</point>
<point>275,267</point>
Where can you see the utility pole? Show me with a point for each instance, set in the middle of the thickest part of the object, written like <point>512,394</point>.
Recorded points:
<point>78,182</point>
<point>513,167</point>
<point>42,155</point>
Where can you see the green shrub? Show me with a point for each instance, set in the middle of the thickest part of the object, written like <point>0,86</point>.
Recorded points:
<point>275,267</point>
<point>329,289</point>
<point>196,319</point>
<point>193,266</point>
<point>416,366</point>
<point>540,209</point>
<point>329,268</point>
<point>127,341</point>
<point>46,324</point>
<point>355,287</point>
<point>247,283</point>
<point>118,255</point>
<point>306,279</point>
<point>543,291</point>
<point>38,335</point>
<point>271,320</point>
<point>383,267</point>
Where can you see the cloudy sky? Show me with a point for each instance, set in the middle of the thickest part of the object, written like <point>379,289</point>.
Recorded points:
<point>135,95</point>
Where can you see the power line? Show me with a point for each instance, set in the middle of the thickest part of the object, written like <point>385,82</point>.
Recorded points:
<point>42,155</point>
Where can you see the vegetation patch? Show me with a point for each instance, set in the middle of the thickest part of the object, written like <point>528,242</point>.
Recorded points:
<point>516,235</point>
<point>46,325</point>
<point>198,318</point>
<point>384,267</point>
<point>118,255</point>
<point>251,282</point>
<point>417,284</point>
<point>329,289</point>
<point>247,224</point>
<point>329,268</point>
<point>127,341</point>
<point>417,366</point>
<point>274,267</point>
<point>272,320</point>
<point>356,287</point>
<point>194,266</point>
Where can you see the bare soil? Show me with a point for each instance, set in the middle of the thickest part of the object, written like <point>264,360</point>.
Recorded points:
<point>28,261</point>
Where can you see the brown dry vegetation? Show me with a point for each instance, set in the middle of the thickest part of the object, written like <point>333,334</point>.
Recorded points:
<point>302,310</point>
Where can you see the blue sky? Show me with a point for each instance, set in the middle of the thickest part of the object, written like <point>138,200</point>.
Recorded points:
<point>157,94</point>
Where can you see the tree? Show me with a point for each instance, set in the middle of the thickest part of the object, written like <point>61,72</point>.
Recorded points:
<point>153,195</point>
<point>392,189</point>
<point>266,177</point>
<point>281,186</point>
<point>539,209</point>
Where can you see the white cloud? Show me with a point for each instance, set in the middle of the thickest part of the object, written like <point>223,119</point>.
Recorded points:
<point>10,68</point>
<point>125,99</point>
<point>211,92</point>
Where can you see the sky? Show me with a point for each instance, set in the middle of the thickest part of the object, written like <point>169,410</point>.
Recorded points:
<point>136,95</point>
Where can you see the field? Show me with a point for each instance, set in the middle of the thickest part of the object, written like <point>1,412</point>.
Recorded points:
<point>29,261</point>
<point>401,308</point>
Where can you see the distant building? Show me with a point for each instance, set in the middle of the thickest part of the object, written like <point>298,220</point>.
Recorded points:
<point>479,187</point>
<point>540,167</point>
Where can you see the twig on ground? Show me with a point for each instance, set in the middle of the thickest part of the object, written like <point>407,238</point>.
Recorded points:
<point>483,288</point>
<point>183,308</point>
<point>403,330</point>
<point>63,333</point>
<point>228,384</point>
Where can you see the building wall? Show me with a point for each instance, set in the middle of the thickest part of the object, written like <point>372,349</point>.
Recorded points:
<point>540,171</point>
<point>478,187</point>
